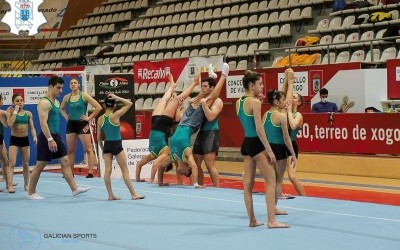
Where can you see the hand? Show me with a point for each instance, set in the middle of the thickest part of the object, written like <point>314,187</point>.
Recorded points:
<point>112,96</point>
<point>272,159</point>
<point>204,100</point>
<point>288,106</point>
<point>180,100</point>
<point>53,146</point>
<point>35,140</point>
<point>197,78</point>
<point>18,108</point>
<point>261,97</point>
<point>10,109</point>
<point>293,161</point>
<point>290,75</point>
<point>84,118</point>
<point>194,99</point>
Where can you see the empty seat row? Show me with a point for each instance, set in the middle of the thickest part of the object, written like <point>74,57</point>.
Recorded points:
<point>71,43</point>
<point>59,55</point>
<point>242,35</point>
<point>218,7</point>
<point>92,21</point>
<point>197,23</point>
<point>128,5</point>
<point>88,31</point>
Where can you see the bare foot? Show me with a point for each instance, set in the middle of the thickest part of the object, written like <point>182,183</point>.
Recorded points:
<point>163,184</point>
<point>280,212</point>
<point>11,190</point>
<point>277,225</point>
<point>140,180</point>
<point>1,190</point>
<point>255,224</point>
<point>113,198</point>
<point>15,183</point>
<point>138,197</point>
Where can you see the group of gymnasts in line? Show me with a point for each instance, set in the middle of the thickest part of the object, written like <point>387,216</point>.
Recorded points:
<point>269,144</point>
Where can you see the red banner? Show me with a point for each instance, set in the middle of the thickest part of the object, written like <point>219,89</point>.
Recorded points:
<point>393,78</point>
<point>350,133</point>
<point>157,71</point>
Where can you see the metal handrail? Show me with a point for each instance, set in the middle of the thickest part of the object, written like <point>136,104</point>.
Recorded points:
<point>325,47</point>
<point>22,50</point>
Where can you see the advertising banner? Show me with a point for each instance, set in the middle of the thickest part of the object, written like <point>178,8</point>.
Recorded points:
<point>134,150</point>
<point>183,69</point>
<point>33,89</point>
<point>350,133</point>
<point>121,85</point>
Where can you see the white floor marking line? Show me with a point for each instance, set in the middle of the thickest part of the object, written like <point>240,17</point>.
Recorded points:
<point>241,202</point>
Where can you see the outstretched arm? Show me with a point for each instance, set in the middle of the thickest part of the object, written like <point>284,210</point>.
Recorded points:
<point>189,90</point>
<point>290,83</point>
<point>162,104</point>
<point>218,88</point>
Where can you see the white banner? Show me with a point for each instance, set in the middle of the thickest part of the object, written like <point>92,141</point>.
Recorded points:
<point>6,95</point>
<point>134,150</point>
<point>397,74</point>
<point>234,87</point>
<point>33,95</point>
<point>300,82</point>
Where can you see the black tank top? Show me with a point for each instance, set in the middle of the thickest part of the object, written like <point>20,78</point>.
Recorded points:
<point>162,123</point>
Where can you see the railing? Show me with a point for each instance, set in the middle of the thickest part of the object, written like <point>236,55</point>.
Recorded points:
<point>22,57</point>
<point>330,47</point>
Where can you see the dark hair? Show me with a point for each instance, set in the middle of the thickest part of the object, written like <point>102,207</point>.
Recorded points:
<point>372,109</point>
<point>54,80</point>
<point>109,102</point>
<point>15,96</point>
<point>1,98</point>
<point>274,95</point>
<point>250,77</point>
<point>301,98</point>
<point>211,81</point>
<point>189,173</point>
<point>323,91</point>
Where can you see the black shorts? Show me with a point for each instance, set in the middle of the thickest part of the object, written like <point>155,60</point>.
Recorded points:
<point>78,127</point>
<point>1,139</point>
<point>206,142</point>
<point>43,151</point>
<point>280,151</point>
<point>112,147</point>
<point>19,141</point>
<point>251,146</point>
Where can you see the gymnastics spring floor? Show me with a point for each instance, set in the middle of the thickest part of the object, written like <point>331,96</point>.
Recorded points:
<point>181,217</point>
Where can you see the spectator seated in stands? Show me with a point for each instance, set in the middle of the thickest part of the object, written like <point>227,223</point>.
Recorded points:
<point>324,106</point>
<point>372,110</point>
